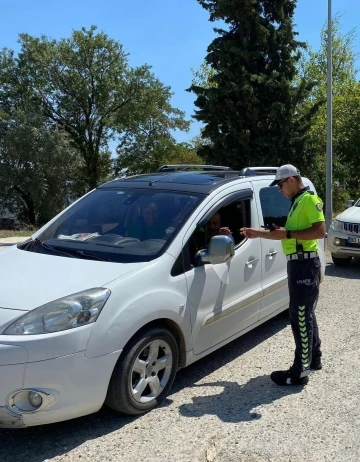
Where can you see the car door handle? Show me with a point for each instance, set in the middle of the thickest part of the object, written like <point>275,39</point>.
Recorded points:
<point>251,262</point>
<point>271,254</point>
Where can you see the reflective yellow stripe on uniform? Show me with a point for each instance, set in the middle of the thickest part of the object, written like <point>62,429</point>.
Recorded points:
<point>304,339</point>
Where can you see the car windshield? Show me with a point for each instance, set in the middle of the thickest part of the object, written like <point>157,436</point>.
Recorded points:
<point>357,204</point>
<point>127,225</point>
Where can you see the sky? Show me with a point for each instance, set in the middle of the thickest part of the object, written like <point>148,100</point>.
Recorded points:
<point>170,35</point>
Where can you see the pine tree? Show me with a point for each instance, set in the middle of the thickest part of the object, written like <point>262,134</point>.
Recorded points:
<point>249,105</point>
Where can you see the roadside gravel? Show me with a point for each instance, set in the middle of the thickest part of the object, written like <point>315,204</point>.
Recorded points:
<point>224,408</point>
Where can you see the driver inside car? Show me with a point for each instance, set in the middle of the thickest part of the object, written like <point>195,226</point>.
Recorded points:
<point>214,228</point>
<point>148,225</point>
<point>202,236</point>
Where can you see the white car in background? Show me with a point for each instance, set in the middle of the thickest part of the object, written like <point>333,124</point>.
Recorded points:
<point>344,235</point>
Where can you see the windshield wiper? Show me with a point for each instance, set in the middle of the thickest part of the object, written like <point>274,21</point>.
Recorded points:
<point>69,252</point>
<point>51,249</point>
<point>89,256</point>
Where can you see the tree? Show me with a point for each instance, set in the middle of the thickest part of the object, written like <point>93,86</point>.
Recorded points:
<point>250,102</point>
<point>204,76</point>
<point>38,167</point>
<point>143,152</point>
<point>148,143</point>
<point>85,87</point>
<point>346,115</point>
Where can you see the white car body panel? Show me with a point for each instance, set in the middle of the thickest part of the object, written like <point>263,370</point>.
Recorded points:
<point>130,309</point>
<point>238,290</point>
<point>273,262</point>
<point>58,276</point>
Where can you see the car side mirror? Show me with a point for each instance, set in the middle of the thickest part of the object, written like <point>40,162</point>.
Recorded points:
<point>220,250</point>
<point>350,203</point>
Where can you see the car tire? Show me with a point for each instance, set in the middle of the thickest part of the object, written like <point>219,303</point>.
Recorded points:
<point>341,261</point>
<point>144,372</point>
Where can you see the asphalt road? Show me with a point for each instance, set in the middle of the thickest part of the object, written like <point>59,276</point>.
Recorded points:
<point>225,408</point>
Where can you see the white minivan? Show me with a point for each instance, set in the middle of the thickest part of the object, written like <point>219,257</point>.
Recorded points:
<point>106,301</point>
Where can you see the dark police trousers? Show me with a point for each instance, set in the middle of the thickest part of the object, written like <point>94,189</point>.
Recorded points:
<point>303,279</point>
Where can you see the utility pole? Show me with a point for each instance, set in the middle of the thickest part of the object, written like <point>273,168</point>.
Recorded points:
<point>329,205</point>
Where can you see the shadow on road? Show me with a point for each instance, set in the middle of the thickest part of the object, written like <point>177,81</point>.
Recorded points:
<point>236,402</point>
<point>347,272</point>
<point>36,444</point>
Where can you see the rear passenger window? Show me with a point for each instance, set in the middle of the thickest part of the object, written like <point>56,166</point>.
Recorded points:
<point>274,206</point>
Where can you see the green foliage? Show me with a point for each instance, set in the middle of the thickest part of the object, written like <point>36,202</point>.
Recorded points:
<point>248,99</point>
<point>144,154</point>
<point>313,64</point>
<point>148,143</point>
<point>86,88</point>
<point>203,77</point>
<point>346,116</point>
<point>38,167</point>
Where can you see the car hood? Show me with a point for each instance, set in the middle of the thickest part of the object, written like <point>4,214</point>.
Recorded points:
<point>351,215</point>
<point>29,280</point>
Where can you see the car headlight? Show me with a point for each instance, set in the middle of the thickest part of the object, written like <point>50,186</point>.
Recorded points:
<point>336,225</point>
<point>66,313</point>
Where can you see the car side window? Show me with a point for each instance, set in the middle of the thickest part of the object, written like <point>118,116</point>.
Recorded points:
<point>233,216</point>
<point>274,206</point>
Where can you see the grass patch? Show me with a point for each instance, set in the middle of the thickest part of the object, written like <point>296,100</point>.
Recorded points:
<point>16,233</point>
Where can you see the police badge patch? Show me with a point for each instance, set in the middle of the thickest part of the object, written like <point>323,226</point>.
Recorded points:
<point>319,206</point>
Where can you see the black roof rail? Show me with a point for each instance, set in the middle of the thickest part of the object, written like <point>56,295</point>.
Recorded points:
<point>175,167</point>
<point>253,171</point>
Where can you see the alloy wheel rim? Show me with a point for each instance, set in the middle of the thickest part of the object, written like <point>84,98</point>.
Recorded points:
<point>151,371</point>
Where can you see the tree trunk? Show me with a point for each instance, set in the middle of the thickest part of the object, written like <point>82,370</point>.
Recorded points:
<point>93,176</point>
<point>92,164</point>
<point>29,205</point>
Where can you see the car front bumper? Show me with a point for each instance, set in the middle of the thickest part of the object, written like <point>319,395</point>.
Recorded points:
<point>78,386</point>
<point>343,248</point>
<point>10,420</point>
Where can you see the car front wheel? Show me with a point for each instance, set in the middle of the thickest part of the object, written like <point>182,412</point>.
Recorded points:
<point>144,373</point>
<point>341,261</point>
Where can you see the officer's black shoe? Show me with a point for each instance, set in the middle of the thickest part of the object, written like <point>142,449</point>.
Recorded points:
<point>288,378</point>
<point>316,364</point>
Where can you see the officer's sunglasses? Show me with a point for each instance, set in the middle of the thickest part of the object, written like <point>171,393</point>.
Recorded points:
<point>281,183</point>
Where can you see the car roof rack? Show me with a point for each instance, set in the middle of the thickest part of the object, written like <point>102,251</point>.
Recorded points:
<point>253,171</point>
<point>185,167</point>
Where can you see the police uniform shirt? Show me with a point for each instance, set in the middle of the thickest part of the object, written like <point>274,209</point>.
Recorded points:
<point>307,208</point>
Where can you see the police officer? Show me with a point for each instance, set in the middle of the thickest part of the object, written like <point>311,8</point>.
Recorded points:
<point>304,226</point>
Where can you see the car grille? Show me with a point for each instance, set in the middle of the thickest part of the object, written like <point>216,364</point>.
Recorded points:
<point>353,228</point>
